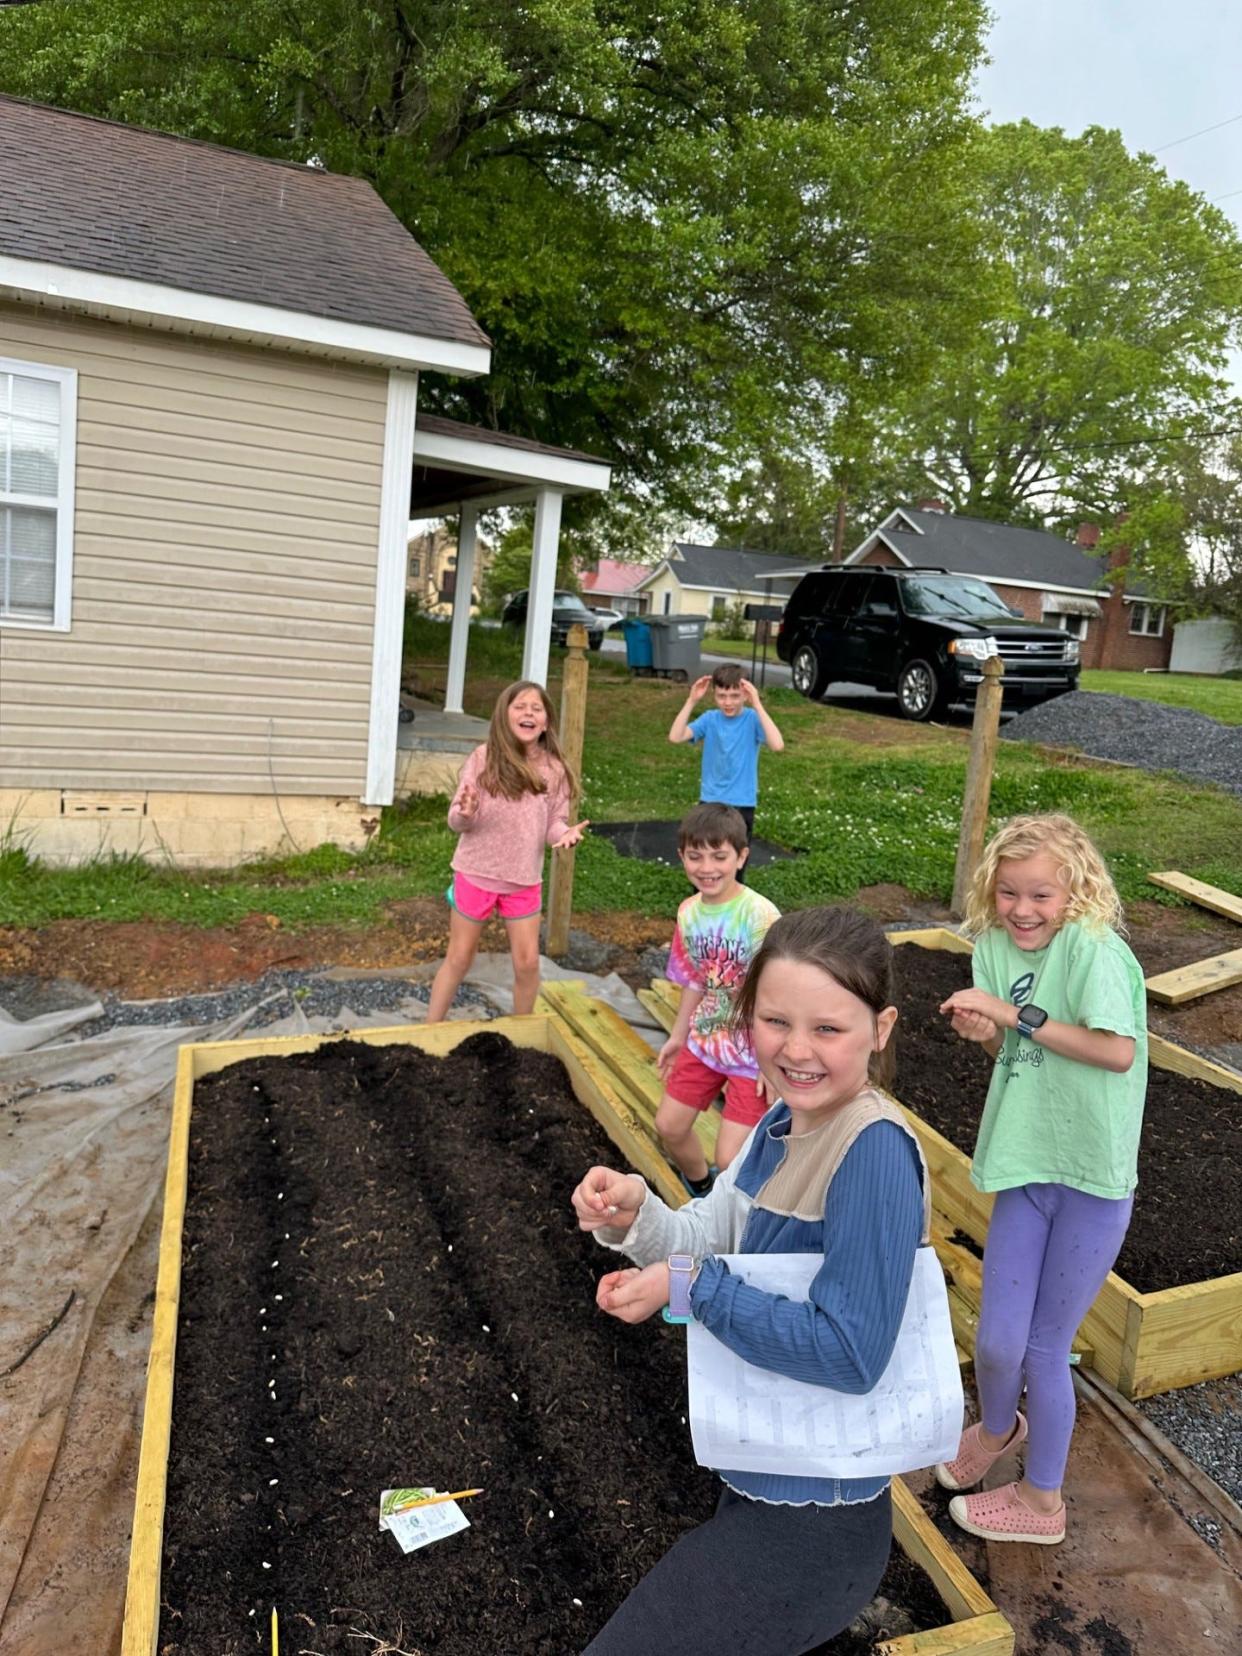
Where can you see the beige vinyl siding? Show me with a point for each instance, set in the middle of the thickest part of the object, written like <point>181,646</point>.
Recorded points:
<point>226,531</point>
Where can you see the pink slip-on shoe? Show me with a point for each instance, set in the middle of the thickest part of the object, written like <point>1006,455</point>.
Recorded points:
<point>972,1459</point>
<point>1002,1515</point>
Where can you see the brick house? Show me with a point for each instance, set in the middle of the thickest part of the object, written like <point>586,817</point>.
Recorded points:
<point>611,584</point>
<point>1065,583</point>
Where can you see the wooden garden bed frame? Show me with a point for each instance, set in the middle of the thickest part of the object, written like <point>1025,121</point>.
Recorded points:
<point>603,1072</point>
<point>1140,1343</point>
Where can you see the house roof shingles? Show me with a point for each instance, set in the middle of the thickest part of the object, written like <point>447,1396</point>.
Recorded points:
<point>128,202</point>
<point>995,551</point>
<point>733,567</point>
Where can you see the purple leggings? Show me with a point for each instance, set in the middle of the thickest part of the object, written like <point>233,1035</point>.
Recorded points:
<point>1049,1249</point>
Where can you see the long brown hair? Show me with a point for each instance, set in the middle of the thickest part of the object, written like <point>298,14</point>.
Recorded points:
<point>845,944</point>
<point>507,772</point>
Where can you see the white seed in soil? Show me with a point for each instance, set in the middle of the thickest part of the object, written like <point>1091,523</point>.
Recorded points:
<point>271,1385</point>
<point>280,1296</point>
<point>269,1440</point>
<point>551,1514</point>
<point>267,1566</point>
<point>486,1329</point>
<point>272,1482</point>
<point>514,1396</point>
<point>275,1263</point>
<point>263,1328</point>
<point>280,1195</point>
<point>578,1602</point>
<point>450,1247</point>
<point>263,1310</point>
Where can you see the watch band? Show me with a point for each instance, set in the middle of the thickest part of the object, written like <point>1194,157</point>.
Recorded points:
<point>681,1268</point>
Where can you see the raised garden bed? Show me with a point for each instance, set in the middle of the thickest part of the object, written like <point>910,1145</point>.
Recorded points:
<point>421,1202</point>
<point>1141,1340</point>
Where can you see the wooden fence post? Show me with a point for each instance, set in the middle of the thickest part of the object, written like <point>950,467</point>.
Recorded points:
<point>983,738</point>
<point>573,728</point>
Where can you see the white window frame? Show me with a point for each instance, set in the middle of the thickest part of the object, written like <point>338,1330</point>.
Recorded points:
<point>1141,613</point>
<point>1074,625</point>
<point>62,605</point>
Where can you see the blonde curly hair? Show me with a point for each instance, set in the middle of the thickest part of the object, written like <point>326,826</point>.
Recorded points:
<point>1093,898</point>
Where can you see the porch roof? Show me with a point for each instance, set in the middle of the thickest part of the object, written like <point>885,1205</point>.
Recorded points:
<point>457,464</point>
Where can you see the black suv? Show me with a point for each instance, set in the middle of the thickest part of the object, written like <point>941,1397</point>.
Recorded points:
<point>568,610</point>
<point>921,632</point>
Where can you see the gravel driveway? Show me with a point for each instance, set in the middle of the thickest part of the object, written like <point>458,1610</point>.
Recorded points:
<point>1143,733</point>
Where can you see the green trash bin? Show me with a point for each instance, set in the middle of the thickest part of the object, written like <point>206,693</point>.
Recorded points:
<point>677,644</point>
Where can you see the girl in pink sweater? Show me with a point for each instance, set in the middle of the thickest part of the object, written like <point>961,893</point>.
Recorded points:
<point>512,800</point>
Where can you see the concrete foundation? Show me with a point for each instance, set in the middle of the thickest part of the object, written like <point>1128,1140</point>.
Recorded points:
<point>190,830</point>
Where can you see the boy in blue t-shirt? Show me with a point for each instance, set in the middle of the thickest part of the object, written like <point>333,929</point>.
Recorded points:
<point>731,733</point>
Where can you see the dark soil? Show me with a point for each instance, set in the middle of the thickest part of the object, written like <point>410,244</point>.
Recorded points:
<point>1187,1224</point>
<point>382,1274</point>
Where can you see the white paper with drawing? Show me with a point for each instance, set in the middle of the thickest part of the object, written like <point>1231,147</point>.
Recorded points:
<point>748,1419</point>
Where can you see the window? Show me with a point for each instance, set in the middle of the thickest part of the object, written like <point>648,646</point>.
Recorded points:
<point>668,602</point>
<point>1147,619</point>
<point>38,408</point>
<point>451,560</point>
<point>1074,625</point>
<point>416,568</point>
<point>719,605</point>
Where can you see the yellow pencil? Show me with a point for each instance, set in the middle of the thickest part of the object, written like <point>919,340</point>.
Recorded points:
<point>434,1500</point>
<point>275,1633</point>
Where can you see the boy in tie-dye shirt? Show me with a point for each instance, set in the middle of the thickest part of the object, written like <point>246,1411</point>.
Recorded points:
<point>718,930</point>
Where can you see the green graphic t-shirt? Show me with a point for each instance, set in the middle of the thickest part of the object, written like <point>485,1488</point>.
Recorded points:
<point>1054,1120</point>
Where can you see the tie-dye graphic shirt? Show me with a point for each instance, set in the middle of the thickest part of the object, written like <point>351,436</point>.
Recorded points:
<point>712,947</point>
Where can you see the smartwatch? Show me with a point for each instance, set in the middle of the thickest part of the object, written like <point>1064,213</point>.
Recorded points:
<point>1031,1018</point>
<point>680,1276</point>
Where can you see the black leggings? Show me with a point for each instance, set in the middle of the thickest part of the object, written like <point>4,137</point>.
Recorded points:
<point>756,1580</point>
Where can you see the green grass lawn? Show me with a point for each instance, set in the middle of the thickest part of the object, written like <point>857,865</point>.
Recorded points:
<point>741,648</point>
<point>1219,698</point>
<point>866,799</point>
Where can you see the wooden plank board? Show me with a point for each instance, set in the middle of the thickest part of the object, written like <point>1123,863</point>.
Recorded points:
<point>1165,1055</point>
<point>1199,893</point>
<point>627,1056</point>
<point>658,1007</point>
<point>989,1635</point>
<point>923,1543</point>
<point>1186,1335</point>
<point>142,1593</point>
<point>1201,977</point>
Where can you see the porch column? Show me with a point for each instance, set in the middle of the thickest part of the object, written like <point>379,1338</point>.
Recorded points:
<point>547,539</point>
<point>459,631</point>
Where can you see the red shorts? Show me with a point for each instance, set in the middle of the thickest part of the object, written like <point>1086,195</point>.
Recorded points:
<point>692,1083</point>
<point>473,903</point>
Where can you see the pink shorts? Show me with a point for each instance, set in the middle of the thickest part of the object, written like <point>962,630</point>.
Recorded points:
<point>473,903</point>
<point>694,1084</point>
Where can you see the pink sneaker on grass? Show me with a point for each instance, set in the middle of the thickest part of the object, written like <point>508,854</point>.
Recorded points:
<point>1002,1515</point>
<point>972,1459</point>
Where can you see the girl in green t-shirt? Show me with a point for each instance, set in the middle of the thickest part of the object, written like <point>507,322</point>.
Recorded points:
<point>1059,1003</point>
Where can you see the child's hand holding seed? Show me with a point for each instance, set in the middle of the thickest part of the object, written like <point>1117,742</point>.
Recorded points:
<point>608,1200</point>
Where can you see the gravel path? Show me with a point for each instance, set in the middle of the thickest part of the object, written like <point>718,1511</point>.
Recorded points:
<point>282,991</point>
<point>1143,733</point>
<point>1203,1421</point>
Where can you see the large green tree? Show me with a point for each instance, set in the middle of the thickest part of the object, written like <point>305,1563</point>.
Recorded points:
<point>695,229</point>
<point>1113,296</point>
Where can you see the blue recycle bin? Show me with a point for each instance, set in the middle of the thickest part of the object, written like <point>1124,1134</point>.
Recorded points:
<point>637,644</point>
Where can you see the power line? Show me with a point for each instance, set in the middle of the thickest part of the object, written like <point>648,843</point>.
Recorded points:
<point>1202,133</point>
<point>1228,195</point>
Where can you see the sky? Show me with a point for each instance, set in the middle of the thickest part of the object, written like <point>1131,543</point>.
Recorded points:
<point>1157,70</point>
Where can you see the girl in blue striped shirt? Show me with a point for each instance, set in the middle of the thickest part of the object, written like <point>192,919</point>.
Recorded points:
<point>787,1561</point>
